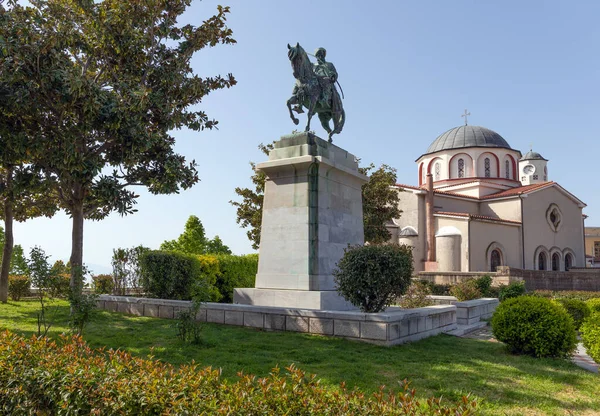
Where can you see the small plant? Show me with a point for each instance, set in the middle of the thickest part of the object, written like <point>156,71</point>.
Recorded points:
<point>566,294</point>
<point>577,309</point>
<point>513,290</point>
<point>188,328</point>
<point>103,284</point>
<point>484,285</point>
<point>372,277</point>
<point>594,305</point>
<point>590,335</point>
<point>534,326</point>
<point>18,287</point>
<point>466,290</point>
<point>42,278</point>
<point>417,296</point>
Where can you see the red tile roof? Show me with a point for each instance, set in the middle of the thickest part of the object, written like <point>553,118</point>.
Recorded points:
<point>519,190</point>
<point>476,217</point>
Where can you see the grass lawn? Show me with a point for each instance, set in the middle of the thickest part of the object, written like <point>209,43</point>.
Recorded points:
<point>443,365</point>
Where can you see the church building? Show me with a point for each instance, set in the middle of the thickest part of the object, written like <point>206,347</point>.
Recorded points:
<point>480,204</point>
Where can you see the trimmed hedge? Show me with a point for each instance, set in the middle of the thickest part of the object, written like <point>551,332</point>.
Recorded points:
<point>577,309</point>
<point>18,287</point>
<point>594,305</point>
<point>40,376</point>
<point>534,326</point>
<point>565,294</point>
<point>172,275</point>
<point>235,271</point>
<point>590,335</point>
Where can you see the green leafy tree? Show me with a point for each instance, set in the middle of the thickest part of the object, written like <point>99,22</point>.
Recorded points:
<point>193,240</point>
<point>110,80</point>
<point>127,269</point>
<point>380,202</point>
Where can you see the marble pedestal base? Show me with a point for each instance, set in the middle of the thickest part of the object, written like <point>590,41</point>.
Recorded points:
<point>325,300</point>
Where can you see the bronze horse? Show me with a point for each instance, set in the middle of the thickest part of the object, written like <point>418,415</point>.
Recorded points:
<point>308,93</point>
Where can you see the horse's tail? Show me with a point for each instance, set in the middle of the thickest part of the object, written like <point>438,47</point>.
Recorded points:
<point>339,123</point>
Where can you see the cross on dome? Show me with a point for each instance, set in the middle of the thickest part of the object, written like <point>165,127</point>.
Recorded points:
<point>465,116</point>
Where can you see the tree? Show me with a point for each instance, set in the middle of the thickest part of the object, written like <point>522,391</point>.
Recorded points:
<point>380,202</point>
<point>127,269</point>
<point>193,240</point>
<point>249,210</point>
<point>110,80</point>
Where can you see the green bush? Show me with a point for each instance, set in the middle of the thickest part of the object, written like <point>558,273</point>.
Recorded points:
<point>417,296</point>
<point>534,326</point>
<point>593,304</point>
<point>436,289</point>
<point>172,275</point>
<point>484,285</point>
<point>235,271</point>
<point>372,277</point>
<point>513,290</point>
<point>18,287</point>
<point>40,376</point>
<point>60,285</point>
<point>466,290</point>
<point>590,335</point>
<point>566,294</point>
<point>577,309</point>
<point>103,284</point>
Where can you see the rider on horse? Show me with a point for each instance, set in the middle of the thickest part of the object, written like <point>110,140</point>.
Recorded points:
<point>327,75</point>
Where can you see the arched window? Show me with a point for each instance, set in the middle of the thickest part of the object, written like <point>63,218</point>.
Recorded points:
<point>507,169</point>
<point>437,171</point>
<point>495,260</point>
<point>568,262</point>
<point>555,262</point>
<point>545,173</point>
<point>486,164</point>
<point>461,168</point>
<point>542,261</point>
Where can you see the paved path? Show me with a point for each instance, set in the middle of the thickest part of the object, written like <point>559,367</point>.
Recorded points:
<point>580,357</point>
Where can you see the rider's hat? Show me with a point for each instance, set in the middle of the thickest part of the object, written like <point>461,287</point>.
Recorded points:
<point>320,51</point>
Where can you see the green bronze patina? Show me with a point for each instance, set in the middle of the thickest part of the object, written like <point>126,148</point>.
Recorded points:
<point>315,90</point>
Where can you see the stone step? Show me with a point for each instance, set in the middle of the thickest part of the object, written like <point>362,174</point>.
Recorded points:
<point>462,330</point>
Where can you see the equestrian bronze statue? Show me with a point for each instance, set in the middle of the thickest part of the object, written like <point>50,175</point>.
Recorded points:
<point>315,90</point>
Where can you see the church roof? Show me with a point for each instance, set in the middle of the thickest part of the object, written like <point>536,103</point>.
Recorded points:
<point>467,136</point>
<point>475,217</point>
<point>519,190</point>
<point>531,155</point>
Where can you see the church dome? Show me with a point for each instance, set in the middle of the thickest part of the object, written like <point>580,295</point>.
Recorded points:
<point>467,136</point>
<point>531,155</point>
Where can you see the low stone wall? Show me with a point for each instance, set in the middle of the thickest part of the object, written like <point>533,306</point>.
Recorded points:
<point>389,328</point>
<point>587,279</point>
<point>472,311</point>
<point>443,300</point>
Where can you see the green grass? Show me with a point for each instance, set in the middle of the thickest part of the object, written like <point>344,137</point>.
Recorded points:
<point>503,383</point>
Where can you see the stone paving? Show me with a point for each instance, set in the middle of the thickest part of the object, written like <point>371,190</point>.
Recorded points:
<point>580,358</point>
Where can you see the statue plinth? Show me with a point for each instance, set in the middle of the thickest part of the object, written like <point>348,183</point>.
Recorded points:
<point>312,211</point>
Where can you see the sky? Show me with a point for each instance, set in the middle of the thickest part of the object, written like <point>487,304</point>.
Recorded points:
<point>527,70</point>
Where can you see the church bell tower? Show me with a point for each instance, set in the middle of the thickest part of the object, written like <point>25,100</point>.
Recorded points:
<point>533,168</point>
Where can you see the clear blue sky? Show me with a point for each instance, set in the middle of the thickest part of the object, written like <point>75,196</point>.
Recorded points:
<point>527,70</point>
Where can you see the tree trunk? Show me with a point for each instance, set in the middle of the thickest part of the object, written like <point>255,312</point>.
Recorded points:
<point>8,238</point>
<point>77,245</point>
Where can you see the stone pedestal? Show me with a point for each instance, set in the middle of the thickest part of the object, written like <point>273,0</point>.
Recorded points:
<point>312,210</point>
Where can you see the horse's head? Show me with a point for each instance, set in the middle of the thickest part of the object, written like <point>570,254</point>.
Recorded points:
<point>300,62</point>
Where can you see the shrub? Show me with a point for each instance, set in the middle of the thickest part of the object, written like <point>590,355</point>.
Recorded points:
<point>103,284</point>
<point>590,335</point>
<point>372,277</point>
<point>593,304</point>
<point>18,287</point>
<point>416,296</point>
<point>534,326</point>
<point>60,285</point>
<point>566,294</point>
<point>172,275</point>
<point>235,271</point>
<point>484,285</point>
<point>577,309</point>
<point>513,290</point>
<point>466,290</point>
<point>40,376</point>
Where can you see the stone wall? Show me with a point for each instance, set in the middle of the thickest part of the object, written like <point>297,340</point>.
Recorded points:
<point>390,328</point>
<point>452,278</point>
<point>587,279</point>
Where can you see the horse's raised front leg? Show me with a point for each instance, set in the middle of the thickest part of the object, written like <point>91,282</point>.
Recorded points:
<point>291,102</point>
